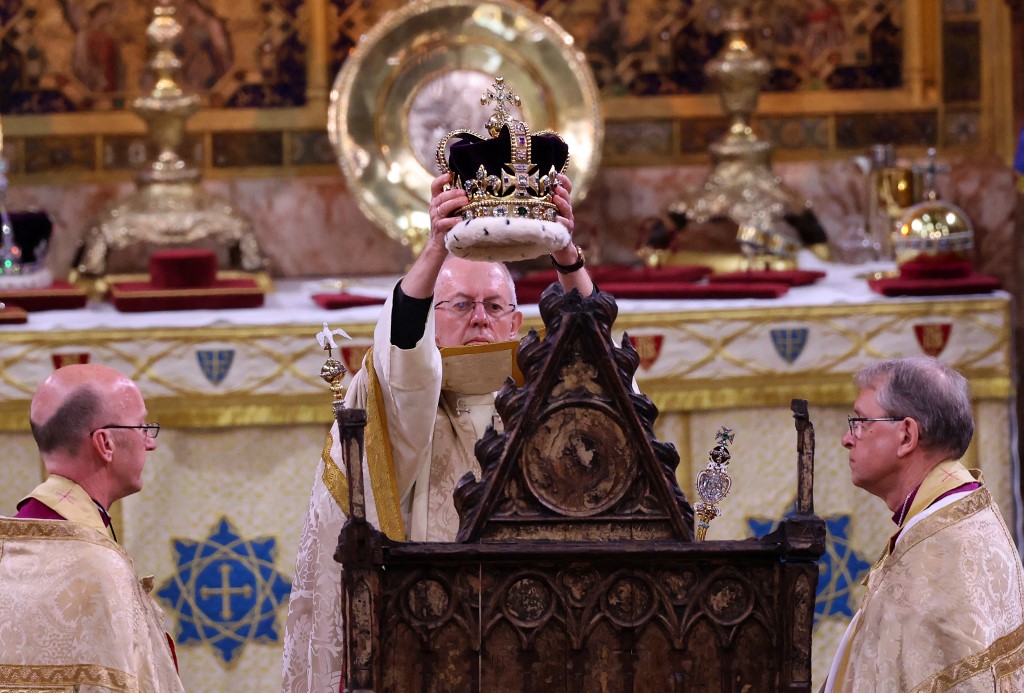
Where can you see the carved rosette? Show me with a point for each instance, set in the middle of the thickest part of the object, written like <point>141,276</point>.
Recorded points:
<point>575,601</point>
<point>573,463</point>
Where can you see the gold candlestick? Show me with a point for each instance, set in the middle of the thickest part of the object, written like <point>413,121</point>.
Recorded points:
<point>713,482</point>
<point>741,185</point>
<point>169,207</point>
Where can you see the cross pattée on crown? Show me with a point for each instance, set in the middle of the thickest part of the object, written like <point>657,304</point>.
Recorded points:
<point>500,95</point>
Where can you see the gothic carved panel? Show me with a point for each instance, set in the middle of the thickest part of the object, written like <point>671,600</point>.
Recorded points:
<point>578,456</point>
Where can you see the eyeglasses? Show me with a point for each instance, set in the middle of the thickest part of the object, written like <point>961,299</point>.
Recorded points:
<point>494,309</point>
<point>151,430</point>
<point>857,423</point>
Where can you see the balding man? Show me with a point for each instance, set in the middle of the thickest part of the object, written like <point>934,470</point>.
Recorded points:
<point>83,616</point>
<point>442,301</point>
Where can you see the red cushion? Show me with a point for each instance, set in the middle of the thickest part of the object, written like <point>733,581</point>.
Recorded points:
<point>924,268</point>
<point>58,296</point>
<point>690,290</point>
<point>13,315</point>
<point>136,297</point>
<point>898,286</point>
<point>789,277</point>
<point>181,268</point>
<point>529,287</point>
<point>345,300</point>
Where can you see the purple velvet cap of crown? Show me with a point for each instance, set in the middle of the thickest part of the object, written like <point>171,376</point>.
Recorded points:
<point>32,231</point>
<point>468,152</point>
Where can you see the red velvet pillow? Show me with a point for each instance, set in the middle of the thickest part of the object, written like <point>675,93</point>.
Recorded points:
<point>13,315</point>
<point>691,290</point>
<point>345,300</point>
<point>790,277</point>
<point>183,268</point>
<point>60,295</point>
<point>530,286</point>
<point>924,268</point>
<point>900,286</point>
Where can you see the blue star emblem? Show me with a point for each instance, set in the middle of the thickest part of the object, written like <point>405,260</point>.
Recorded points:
<point>226,591</point>
<point>839,568</point>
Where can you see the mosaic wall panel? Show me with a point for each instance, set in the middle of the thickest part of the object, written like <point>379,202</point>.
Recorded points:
<point>902,129</point>
<point>59,154</point>
<point>660,47</point>
<point>698,133</point>
<point>89,57</point>
<point>310,148</point>
<point>128,152</point>
<point>60,56</point>
<point>638,139</point>
<point>81,55</point>
<point>962,127</point>
<point>961,55</point>
<point>236,149</point>
<point>795,133</point>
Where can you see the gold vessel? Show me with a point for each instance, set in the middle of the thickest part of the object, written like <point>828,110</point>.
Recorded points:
<point>741,186</point>
<point>169,207</point>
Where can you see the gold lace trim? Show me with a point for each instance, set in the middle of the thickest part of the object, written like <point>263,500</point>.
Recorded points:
<point>334,478</point>
<point>379,458</point>
<point>17,677</point>
<point>14,528</point>
<point>1003,657</point>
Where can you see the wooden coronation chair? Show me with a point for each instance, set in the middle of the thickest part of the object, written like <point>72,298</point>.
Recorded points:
<point>575,568</point>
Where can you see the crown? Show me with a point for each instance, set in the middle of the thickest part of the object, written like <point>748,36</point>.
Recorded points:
<point>24,239</point>
<point>510,179</point>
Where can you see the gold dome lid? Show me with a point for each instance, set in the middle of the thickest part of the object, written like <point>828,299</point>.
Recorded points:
<point>932,228</point>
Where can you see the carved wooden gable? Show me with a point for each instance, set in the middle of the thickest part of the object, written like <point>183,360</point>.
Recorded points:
<point>578,458</point>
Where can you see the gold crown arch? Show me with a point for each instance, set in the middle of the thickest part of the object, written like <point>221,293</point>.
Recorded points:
<point>420,71</point>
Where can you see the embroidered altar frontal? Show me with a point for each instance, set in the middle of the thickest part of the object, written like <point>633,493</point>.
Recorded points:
<point>245,412</point>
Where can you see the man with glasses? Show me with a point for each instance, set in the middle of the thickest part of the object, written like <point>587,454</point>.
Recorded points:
<point>430,432</point>
<point>82,616</point>
<point>944,606</point>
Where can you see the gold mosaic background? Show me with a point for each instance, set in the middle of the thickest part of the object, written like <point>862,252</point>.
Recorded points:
<point>845,74</point>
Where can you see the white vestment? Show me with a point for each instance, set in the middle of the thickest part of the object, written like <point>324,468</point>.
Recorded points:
<point>431,440</point>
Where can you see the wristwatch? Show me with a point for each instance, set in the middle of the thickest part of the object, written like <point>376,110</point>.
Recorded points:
<point>574,267</point>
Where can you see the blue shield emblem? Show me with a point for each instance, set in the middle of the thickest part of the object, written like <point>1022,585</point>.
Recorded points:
<point>789,343</point>
<point>215,364</point>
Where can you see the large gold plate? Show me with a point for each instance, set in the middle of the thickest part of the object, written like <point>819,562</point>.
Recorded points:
<point>420,73</point>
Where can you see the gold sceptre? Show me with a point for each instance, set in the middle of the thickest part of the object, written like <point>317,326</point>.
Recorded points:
<point>333,371</point>
<point>713,482</point>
